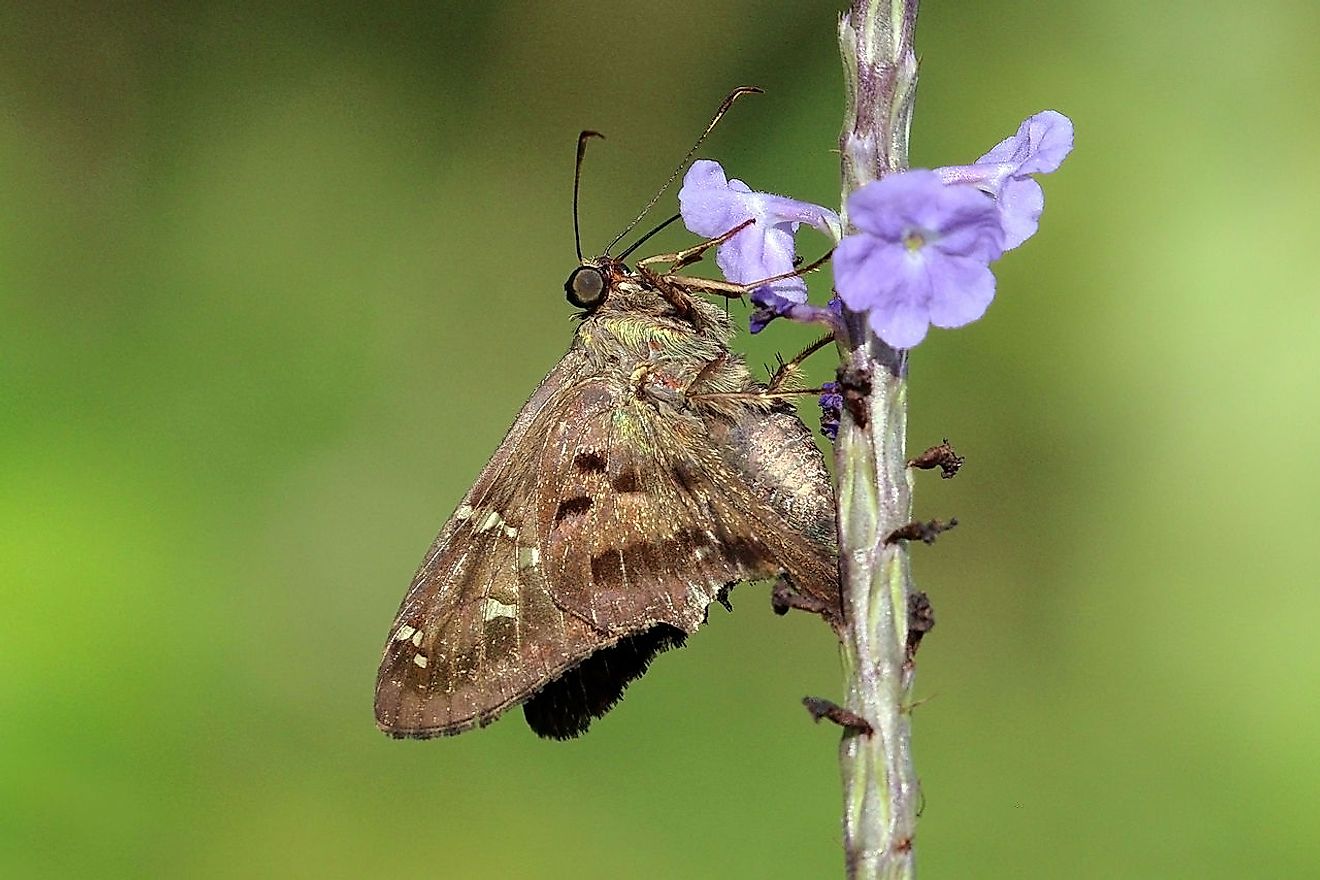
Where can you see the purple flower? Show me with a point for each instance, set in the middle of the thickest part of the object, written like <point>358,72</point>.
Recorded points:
<point>831,409</point>
<point>711,205</point>
<point>922,256</point>
<point>767,305</point>
<point>1039,147</point>
<point>770,305</point>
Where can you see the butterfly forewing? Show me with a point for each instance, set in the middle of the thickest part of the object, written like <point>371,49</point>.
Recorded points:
<point>475,634</point>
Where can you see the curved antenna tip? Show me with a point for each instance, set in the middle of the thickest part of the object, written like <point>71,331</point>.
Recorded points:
<point>583,136</point>
<point>719,114</point>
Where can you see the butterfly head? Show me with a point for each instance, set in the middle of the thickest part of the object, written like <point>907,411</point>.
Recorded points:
<point>590,283</point>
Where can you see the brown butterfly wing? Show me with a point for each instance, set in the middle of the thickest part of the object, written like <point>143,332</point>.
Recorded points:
<point>596,538</point>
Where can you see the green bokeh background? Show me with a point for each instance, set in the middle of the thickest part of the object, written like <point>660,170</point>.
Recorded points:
<point>273,283</point>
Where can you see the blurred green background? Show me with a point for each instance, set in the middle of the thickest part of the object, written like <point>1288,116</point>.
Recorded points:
<point>273,283</point>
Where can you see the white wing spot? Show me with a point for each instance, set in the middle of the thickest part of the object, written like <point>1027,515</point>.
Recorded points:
<point>464,511</point>
<point>529,557</point>
<point>494,520</point>
<point>417,639</point>
<point>420,660</point>
<point>493,608</point>
<point>404,633</point>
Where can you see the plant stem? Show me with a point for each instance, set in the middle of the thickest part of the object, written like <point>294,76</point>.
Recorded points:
<point>874,488</point>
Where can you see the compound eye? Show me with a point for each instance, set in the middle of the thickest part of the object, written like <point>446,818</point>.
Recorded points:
<point>585,287</point>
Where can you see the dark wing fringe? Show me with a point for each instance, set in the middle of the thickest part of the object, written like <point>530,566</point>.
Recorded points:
<point>566,706</point>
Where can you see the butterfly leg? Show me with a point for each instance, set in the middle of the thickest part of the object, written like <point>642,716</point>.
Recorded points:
<point>688,256</point>
<point>787,369</point>
<point>774,390</point>
<point>732,290</point>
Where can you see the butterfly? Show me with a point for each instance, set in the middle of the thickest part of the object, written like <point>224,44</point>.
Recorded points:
<point>648,473</point>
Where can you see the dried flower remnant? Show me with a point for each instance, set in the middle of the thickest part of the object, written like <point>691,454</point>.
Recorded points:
<point>921,620</point>
<point>942,457</point>
<point>925,532</point>
<point>820,708</point>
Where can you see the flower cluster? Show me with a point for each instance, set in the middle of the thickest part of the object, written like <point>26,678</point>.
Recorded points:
<point>925,239</point>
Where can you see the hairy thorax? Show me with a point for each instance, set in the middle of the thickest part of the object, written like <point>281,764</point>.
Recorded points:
<point>667,355</point>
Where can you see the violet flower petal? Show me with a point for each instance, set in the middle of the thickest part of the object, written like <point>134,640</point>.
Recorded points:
<point>967,287</point>
<point>759,253</point>
<point>1039,146</point>
<point>1021,202</point>
<point>711,205</point>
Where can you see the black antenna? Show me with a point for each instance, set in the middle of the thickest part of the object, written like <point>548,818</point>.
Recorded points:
<point>724,108</point>
<point>641,241</point>
<point>583,137</point>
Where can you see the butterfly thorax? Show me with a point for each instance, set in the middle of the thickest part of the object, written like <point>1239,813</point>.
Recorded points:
<point>666,345</point>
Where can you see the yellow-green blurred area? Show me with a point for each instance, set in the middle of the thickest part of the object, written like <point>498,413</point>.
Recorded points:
<point>274,280</point>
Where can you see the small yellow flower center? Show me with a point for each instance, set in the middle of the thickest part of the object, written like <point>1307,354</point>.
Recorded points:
<point>914,241</point>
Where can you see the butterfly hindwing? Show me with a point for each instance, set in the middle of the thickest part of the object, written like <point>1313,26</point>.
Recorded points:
<point>642,533</point>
